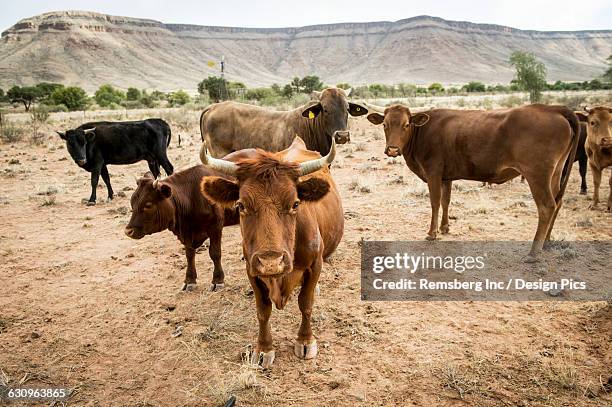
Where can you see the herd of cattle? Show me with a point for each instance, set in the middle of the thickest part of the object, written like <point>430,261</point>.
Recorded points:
<point>269,172</point>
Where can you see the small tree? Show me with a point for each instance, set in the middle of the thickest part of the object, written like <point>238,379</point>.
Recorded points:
<point>215,86</point>
<point>474,87</point>
<point>179,98</point>
<point>608,75</point>
<point>287,91</point>
<point>26,95</point>
<point>46,89</point>
<point>73,97</point>
<point>530,74</point>
<point>106,96</point>
<point>133,94</point>
<point>436,88</point>
<point>2,95</point>
<point>296,84</point>
<point>311,83</point>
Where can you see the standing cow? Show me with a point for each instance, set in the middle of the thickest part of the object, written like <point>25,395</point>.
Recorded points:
<point>443,145</point>
<point>598,146</point>
<point>291,220</point>
<point>95,145</point>
<point>233,126</point>
<point>176,204</point>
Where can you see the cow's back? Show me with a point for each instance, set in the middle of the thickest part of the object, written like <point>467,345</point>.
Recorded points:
<point>233,126</point>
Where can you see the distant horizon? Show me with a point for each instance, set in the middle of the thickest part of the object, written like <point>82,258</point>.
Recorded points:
<point>311,25</point>
<point>525,15</point>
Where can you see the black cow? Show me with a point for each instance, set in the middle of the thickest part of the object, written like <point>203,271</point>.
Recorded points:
<point>94,145</point>
<point>581,157</point>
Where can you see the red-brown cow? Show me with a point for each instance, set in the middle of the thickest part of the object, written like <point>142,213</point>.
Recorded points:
<point>443,145</point>
<point>291,220</point>
<point>176,203</point>
<point>598,146</point>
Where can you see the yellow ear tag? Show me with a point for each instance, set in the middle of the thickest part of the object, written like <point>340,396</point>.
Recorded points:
<point>310,114</point>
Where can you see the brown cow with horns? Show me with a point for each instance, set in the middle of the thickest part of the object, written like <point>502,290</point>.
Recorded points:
<point>443,145</point>
<point>291,220</point>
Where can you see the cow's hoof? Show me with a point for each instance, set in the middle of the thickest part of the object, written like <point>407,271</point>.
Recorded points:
<point>216,286</point>
<point>317,290</point>
<point>430,237</point>
<point>583,192</point>
<point>263,359</point>
<point>90,203</point>
<point>444,229</point>
<point>109,199</point>
<point>530,258</point>
<point>189,286</point>
<point>305,351</point>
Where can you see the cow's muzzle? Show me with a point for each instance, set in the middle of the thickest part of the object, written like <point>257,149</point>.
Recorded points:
<point>81,162</point>
<point>133,233</point>
<point>342,136</point>
<point>270,263</point>
<point>392,151</point>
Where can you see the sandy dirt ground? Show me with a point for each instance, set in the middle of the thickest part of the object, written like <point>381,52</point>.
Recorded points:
<point>84,307</point>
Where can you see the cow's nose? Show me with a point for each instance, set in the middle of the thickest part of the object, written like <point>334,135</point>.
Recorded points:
<point>129,232</point>
<point>392,151</point>
<point>342,136</point>
<point>270,262</point>
<point>81,162</point>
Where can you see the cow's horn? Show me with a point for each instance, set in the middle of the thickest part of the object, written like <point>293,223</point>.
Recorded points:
<point>308,167</point>
<point>226,167</point>
<point>374,108</point>
<point>89,130</point>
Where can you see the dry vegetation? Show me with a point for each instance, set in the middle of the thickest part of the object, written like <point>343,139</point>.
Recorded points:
<point>84,307</point>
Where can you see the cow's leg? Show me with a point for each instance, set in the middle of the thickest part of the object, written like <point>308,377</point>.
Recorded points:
<point>106,179</point>
<point>555,188</point>
<point>435,188</point>
<point>306,345</point>
<point>95,177</point>
<point>446,196</point>
<point>582,165</point>
<point>214,250</point>
<point>596,182</point>
<point>165,163</point>
<point>154,168</point>
<point>191,275</point>
<point>545,202</point>
<point>264,352</point>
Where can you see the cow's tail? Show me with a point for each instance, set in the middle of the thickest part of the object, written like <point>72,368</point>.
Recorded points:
<point>569,162</point>
<point>202,119</point>
<point>169,135</point>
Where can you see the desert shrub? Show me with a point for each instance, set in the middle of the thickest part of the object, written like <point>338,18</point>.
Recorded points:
<point>11,133</point>
<point>511,101</point>
<point>474,86</point>
<point>107,95</point>
<point>178,98</point>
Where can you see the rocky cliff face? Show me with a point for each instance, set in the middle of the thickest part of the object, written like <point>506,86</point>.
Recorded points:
<point>89,49</point>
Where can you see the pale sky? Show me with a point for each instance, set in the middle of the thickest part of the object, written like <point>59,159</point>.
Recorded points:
<point>548,15</point>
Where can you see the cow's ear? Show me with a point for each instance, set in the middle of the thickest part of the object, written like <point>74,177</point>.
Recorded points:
<point>376,118</point>
<point>419,119</point>
<point>90,134</point>
<point>219,190</point>
<point>356,110</point>
<point>312,111</point>
<point>582,116</point>
<point>165,190</point>
<point>312,189</point>
<point>62,135</point>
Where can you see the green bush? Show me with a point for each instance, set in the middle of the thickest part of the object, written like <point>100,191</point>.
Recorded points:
<point>107,95</point>
<point>73,97</point>
<point>178,98</point>
<point>133,94</point>
<point>474,86</point>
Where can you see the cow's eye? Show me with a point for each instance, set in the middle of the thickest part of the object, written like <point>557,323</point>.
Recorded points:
<point>593,123</point>
<point>295,205</point>
<point>148,205</point>
<point>240,206</point>
<point>384,125</point>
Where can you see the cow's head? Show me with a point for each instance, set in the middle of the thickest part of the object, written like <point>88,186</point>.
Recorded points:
<point>152,210</point>
<point>268,193</point>
<point>598,120</point>
<point>397,122</point>
<point>333,108</point>
<point>76,143</point>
